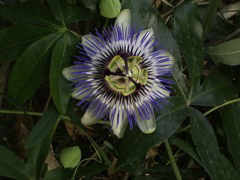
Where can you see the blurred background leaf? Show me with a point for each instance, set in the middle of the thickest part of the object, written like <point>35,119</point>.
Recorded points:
<point>226,53</point>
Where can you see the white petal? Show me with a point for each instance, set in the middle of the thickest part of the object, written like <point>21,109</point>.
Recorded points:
<point>124,19</point>
<point>161,90</point>
<point>147,126</point>
<point>88,118</point>
<point>118,120</point>
<point>119,129</point>
<point>144,41</point>
<point>77,94</point>
<point>91,44</point>
<point>169,63</point>
<point>68,73</point>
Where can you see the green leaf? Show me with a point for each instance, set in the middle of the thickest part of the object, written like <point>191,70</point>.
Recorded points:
<point>135,144</point>
<point>11,166</point>
<point>59,86</point>
<point>70,157</point>
<point>209,16</point>
<point>187,147</point>
<point>37,155</point>
<point>31,69</point>
<point>216,89</point>
<point>145,16</point>
<point>66,13</point>
<point>231,125</point>
<point>15,39</point>
<point>206,143</point>
<point>57,10</point>
<point>42,128</point>
<point>189,34</point>
<point>226,53</point>
<point>28,12</point>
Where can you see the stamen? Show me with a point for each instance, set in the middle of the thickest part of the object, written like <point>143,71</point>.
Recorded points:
<point>125,75</point>
<point>138,85</point>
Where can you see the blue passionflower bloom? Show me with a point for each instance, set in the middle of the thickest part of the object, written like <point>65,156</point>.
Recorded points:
<point>120,76</point>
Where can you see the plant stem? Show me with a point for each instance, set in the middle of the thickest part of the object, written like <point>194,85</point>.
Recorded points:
<point>20,112</point>
<point>211,110</point>
<point>172,160</point>
<point>224,104</point>
<point>2,111</point>
<point>75,34</point>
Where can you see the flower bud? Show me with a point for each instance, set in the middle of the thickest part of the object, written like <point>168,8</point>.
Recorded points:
<point>70,157</point>
<point>110,8</point>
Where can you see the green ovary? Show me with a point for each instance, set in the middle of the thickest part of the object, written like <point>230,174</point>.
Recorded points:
<point>125,81</point>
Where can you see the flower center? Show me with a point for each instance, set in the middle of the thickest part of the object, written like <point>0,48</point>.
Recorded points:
<point>125,75</point>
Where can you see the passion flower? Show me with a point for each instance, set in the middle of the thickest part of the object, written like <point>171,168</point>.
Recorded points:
<point>120,76</point>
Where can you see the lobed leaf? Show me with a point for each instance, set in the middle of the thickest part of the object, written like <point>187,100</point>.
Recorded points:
<point>59,86</point>
<point>31,69</point>
<point>15,39</point>
<point>28,13</point>
<point>66,13</point>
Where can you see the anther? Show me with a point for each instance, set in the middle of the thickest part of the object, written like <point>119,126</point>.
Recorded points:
<point>137,85</point>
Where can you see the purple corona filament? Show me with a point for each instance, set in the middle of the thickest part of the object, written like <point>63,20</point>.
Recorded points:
<point>101,51</point>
